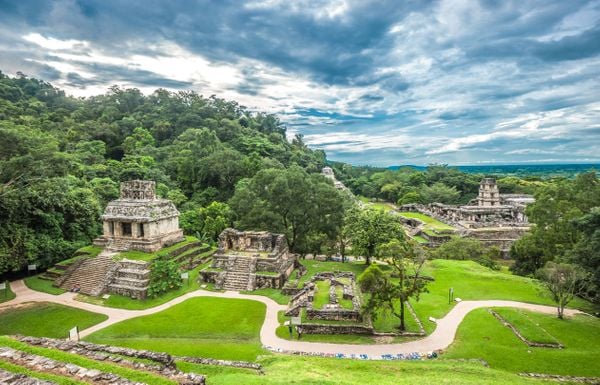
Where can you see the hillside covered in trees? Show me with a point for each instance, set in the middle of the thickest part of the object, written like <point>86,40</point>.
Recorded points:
<point>62,158</point>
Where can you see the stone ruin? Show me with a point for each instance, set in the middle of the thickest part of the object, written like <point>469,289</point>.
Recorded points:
<point>328,173</point>
<point>249,260</point>
<point>138,220</point>
<point>332,311</point>
<point>494,218</point>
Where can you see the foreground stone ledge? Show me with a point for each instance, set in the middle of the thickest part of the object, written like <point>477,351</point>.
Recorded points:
<point>165,364</point>
<point>211,361</point>
<point>48,365</point>
<point>559,378</point>
<point>10,378</point>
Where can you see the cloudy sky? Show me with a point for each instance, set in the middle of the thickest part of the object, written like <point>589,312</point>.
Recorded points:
<point>381,83</point>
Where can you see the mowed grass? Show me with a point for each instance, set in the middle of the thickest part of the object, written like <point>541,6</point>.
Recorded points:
<point>430,222</point>
<point>44,319</point>
<point>527,327</point>
<point>279,370</point>
<point>6,294</point>
<point>142,256</point>
<point>471,281</point>
<point>43,285</point>
<point>481,336</point>
<point>201,327</point>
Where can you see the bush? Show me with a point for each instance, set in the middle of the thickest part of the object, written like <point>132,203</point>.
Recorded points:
<point>164,277</point>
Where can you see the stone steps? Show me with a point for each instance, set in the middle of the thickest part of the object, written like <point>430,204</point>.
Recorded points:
<point>131,279</point>
<point>90,275</point>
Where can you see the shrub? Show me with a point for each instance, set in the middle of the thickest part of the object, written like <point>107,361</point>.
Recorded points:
<point>164,276</point>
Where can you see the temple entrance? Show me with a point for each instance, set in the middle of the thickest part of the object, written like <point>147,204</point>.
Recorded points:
<point>126,227</point>
<point>141,230</point>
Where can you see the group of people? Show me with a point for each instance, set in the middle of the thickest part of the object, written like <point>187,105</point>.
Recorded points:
<point>75,289</point>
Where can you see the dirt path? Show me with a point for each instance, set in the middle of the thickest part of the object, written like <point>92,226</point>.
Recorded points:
<point>441,338</point>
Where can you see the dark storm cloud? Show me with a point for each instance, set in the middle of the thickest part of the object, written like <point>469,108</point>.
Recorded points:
<point>456,79</point>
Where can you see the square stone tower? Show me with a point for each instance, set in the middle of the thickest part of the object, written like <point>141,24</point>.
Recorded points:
<point>138,220</point>
<point>489,195</point>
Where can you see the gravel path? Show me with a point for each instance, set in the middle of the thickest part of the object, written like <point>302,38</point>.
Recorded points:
<point>441,338</point>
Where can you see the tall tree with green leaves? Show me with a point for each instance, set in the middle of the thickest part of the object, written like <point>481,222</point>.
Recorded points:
<point>289,201</point>
<point>406,259</point>
<point>370,228</point>
<point>563,282</point>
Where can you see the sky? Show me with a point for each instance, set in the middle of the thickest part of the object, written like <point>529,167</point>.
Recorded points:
<point>370,82</point>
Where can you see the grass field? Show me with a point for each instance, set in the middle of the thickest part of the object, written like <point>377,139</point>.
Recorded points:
<point>430,222</point>
<point>472,281</point>
<point>281,370</point>
<point>6,294</point>
<point>529,329</point>
<point>43,285</point>
<point>46,320</point>
<point>203,327</point>
<point>481,336</point>
<point>142,256</point>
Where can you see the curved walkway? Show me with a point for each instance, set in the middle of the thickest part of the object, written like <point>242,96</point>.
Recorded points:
<point>441,338</point>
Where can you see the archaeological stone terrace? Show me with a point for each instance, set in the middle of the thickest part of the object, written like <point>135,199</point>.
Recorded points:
<point>249,260</point>
<point>495,219</point>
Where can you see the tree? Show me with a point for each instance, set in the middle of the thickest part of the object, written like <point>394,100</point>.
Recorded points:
<point>369,228</point>
<point>586,252</point>
<point>406,260</point>
<point>467,248</point>
<point>440,193</point>
<point>562,281</point>
<point>289,201</point>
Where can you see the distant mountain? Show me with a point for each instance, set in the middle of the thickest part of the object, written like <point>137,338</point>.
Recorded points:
<point>546,170</point>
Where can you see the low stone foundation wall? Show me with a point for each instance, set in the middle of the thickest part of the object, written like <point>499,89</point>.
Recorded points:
<point>333,315</point>
<point>212,361</point>
<point>520,336</point>
<point>165,365</point>
<point>335,329</point>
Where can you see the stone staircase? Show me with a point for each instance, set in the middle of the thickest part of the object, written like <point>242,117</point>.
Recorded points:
<point>91,275</point>
<point>240,274</point>
<point>118,245</point>
<point>131,279</point>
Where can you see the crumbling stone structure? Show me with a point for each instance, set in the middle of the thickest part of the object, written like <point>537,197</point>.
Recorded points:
<point>138,220</point>
<point>249,260</point>
<point>494,218</point>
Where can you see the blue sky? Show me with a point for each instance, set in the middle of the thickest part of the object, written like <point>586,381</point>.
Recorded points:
<point>381,83</point>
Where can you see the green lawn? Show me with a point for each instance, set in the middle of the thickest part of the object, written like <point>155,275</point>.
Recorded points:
<point>58,355</point>
<point>528,328</point>
<point>46,320</point>
<point>481,336</point>
<point>281,370</point>
<point>321,294</point>
<point>91,251</point>
<point>6,294</point>
<point>471,281</point>
<point>202,327</point>
<point>313,267</point>
<point>43,285</point>
<point>274,294</point>
<point>143,256</point>
<point>430,222</point>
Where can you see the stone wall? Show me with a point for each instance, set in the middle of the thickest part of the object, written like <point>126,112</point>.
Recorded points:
<point>315,328</point>
<point>338,314</point>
